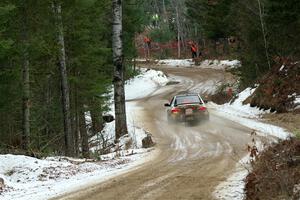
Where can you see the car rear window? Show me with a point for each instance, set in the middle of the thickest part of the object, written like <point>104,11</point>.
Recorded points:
<point>187,100</point>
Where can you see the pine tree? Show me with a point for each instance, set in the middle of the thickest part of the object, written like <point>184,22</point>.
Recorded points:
<point>69,141</point>
<point>284,28</point>
<point>25,80</point>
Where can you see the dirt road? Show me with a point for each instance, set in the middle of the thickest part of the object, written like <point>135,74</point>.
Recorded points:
<point>192,160</point>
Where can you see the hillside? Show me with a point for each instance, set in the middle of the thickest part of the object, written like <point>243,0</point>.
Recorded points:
<point>279,89</point>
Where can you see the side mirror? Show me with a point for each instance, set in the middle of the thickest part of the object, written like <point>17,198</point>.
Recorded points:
<point>205,101</point>
<point>167,105</point>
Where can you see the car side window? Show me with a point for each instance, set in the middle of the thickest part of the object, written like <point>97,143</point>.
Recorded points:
<point>175,102</point>
<point>171,102</point>
<point>201,100</point>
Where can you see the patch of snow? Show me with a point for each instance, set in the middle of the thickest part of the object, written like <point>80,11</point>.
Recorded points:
<point>297,100</point>
<point>281,68</point>
<point>29,178</point>
<point>144,84</point>
<point>246,115</point>
<point>231,63</point>
<point>233,187</point>
<point>140,60</point>
<point>177,62</point>
<point>213,64</point>
<point>238,109</point>
<point>220,64</point>
<point>292,95</point>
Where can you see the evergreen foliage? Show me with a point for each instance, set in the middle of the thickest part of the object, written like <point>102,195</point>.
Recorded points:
<point>87,33</point>
<point>265,29</point>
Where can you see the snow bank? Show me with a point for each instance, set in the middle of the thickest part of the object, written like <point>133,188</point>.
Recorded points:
<point>246,115</point>
<point>233,187</point>
<point>237,107</point>
<point>177,62</point>
<point>219,64</point>
<point>231,63</point>
<point>29,178</point>
<point>296,101</point>
<point>213,64</point>
<point>144,84</point>
<point>140,60</point>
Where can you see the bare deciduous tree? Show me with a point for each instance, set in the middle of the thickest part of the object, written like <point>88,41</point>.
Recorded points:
<point>264,33</point>
<point>118,79</point>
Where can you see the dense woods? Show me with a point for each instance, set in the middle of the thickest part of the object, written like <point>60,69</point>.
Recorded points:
<point>57,60</point>
<point>264,30</point>
<point>255,32</point>
<point>56,64</point>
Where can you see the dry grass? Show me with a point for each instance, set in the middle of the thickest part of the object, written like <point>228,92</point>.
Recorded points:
<point>290,121</point>
<point>276,173</point>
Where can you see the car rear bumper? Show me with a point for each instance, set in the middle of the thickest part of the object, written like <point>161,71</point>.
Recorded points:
<point>193,117</point>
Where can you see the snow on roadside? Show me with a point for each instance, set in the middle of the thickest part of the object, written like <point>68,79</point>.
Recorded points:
<point>29,178</point>
<point>144,84</point>
<point>231,63</point>
<point>237,107</point>
<point>219,64</point>
<point>296,101</point>
<point>177,62</point>
<point>246,115</point>
<point>212,64</point>
<point>233,187</point>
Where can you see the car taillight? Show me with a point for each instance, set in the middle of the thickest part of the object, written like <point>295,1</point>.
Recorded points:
<point>202,108</point>
<point>175,110</point>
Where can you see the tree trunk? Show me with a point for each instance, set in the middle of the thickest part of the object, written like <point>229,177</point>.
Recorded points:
<point>96,122</point>
<point>164,9</point>
<point>118,79</point>
<point>84,136</point>
<point>263,30</point>
<point>69,142</point>
<point>26,83</point>
<point>76,123</point>
<point>178,31</point>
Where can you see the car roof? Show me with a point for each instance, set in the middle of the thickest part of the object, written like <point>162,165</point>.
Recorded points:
<point>188,94</point>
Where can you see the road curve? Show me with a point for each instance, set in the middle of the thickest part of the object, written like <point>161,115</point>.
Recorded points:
<point>192,160</point>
